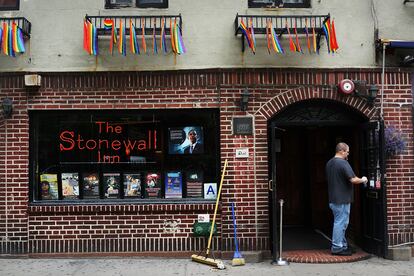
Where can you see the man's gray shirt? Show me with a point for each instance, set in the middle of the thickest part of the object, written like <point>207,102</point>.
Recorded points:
<point>338,174</point>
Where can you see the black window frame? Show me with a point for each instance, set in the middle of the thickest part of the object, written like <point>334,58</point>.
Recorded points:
<point>11,8</point>
<point>279,4</point>
<point>209,166</point>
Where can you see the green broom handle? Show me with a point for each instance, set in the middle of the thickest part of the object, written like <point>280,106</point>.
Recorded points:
<point>215,209</point>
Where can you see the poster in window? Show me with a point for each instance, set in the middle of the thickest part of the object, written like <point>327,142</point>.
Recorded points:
<point>186,140</point>
<point>194,180</point>
<point>49,186</point>
<point>91,185</point>
<point>132,185</point>
<point>70,185</point>
<point>111,183</point>
<point>153,185</point>
<point>173,185</point>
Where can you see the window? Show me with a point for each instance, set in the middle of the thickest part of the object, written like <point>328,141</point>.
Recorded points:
<point>279,3</point>
<point>9,4</point>
<point>123,155</point>
<point>114,4</point>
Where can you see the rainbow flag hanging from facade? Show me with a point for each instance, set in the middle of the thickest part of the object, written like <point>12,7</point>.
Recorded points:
<point>109,24</point>
<point>122,39</point>
<point>144,44</point>
<point>315,50</point>
<point>163,36</point>
<point>252,37</point>
<point>330,34</point>
<point>5,39</point>
<point>335,46</point>
<point>292,45</point>
<point>17,36</point>
<point>154,39</point>
<point>308,43</point>
<point>177,40</point>
<point>90,38</point>
<point>10,40</point>
<point>133,43</point>
<point>1,38</point>
<point>272,39</point>
<point>246,33</point>
<point>298,48</point>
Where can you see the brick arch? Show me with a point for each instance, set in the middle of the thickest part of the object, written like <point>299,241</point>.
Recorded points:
<point>288,97</point>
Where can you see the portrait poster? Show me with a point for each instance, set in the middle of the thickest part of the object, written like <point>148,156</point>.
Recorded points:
<point>173,185</point>
<point>111,183</point>
<point>186,140</point>
<point>91,185</point>
<point>132,185</point>
<point>49,186</point>
<point>153,185</point>
<point>70,185</point>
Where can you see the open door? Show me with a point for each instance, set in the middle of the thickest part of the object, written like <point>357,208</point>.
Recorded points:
<point>373,194</point>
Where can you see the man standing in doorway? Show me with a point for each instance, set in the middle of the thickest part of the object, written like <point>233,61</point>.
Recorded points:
<point>340,178</point>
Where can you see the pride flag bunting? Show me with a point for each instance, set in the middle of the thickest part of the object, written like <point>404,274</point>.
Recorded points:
<point>330,35</point>
<point>272,39</point>
<point>122,39</point>
<point>154,39</point>
<point>144,44</point>
<point>177,43</point>
<point>133,43</point>
<point>162,37</point>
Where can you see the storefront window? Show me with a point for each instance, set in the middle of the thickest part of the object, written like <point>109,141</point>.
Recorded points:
<point>124,155</point>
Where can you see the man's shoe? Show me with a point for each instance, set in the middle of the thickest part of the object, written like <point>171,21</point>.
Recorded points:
<point>345,252</point>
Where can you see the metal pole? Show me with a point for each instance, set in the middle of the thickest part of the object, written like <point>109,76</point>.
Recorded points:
<point>280,261</point>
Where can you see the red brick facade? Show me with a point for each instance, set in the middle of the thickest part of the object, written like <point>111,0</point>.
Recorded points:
<point>141,228</point>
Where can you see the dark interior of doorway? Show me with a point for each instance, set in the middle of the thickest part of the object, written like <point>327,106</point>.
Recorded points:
<point>301,182</point>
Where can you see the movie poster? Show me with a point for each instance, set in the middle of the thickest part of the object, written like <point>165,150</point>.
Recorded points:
<point>132,185</point>
<point>91,185</point>
<point>194,180</point>
<point>49,186</point>
<point>70,185</point>
<point>153,185</point>
<point>186,140</point>
<point>111,183</point>
<point>173,185</point>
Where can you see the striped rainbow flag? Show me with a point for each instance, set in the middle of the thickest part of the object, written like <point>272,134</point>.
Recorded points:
<point>133,43</point>
<point>18,42</point>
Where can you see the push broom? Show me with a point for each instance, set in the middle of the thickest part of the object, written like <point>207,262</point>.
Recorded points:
<point>205,259</point>
<point>237,257</point>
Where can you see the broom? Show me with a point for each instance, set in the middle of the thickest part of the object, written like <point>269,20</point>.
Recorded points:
<point>205,259</point>
<point>237,257</point>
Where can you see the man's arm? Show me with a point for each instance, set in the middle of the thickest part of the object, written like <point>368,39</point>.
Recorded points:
<point>356,180</point>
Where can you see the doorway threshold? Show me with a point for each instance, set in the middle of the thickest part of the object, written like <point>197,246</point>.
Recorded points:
<point>318,256</point>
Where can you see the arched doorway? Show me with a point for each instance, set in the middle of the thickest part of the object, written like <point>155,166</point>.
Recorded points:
<point>302,139</point>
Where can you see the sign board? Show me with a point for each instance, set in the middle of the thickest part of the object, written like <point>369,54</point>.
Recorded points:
<point>203,218</point>
<point>243,125</point>
<point>210,190</point>
<point>242,152</point>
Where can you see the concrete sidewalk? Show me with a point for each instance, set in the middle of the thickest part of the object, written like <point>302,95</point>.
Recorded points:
<point>163,266</point>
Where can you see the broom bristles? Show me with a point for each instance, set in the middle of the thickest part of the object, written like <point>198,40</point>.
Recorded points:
<point>209,261</point>
<point>238,261</point>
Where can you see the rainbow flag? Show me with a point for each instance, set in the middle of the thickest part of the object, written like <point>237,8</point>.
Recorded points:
<point>122,39</point>
<point>292,45</point>
<point>10,46</point>
<point>133,43</point>
<point>335,46</point>
<point>18,42</point>
<point>5,39</point>
<point>177,40</point>
<point>252,37</point>
<point>327,31</point>
<point>315,50</point>
<point>90,38</point>
<point>307,36</point>
<point>154,39</point>
<point>109,25</point>
<point>162,37</point>
<point>1,38</point>
<point>246,34</point>
<point>298,48</point>
<point>272,39</point>
<point>144,44</point>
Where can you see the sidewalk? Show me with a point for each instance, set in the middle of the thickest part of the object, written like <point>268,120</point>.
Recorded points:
<point>162,266</point>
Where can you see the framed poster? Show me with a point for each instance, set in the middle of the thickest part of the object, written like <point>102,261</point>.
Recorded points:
<point>173,185</point>
<point>112,182</point>
<point>186,140</point>
<point>70,185</point>
<point>194,181</point>
<point>132,185</point>
<point>153,185</point>
<point>90,185</point>
<point>49,186</point>
<point>242,125</point>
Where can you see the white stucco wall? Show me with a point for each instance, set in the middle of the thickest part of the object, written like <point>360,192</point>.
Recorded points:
<point>208,32</point>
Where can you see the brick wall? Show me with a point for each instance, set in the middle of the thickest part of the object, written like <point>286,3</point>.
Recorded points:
<point>132,228</point>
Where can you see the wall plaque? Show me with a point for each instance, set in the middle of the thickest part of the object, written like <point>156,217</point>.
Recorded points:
<point>242,125</point>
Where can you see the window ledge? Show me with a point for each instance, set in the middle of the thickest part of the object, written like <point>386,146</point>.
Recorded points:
<point>125,207</point>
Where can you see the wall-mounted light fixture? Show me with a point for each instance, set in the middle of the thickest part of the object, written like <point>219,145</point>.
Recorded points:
<point>365,92</point>
<point>244,100</point>
<point>7,106</point>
